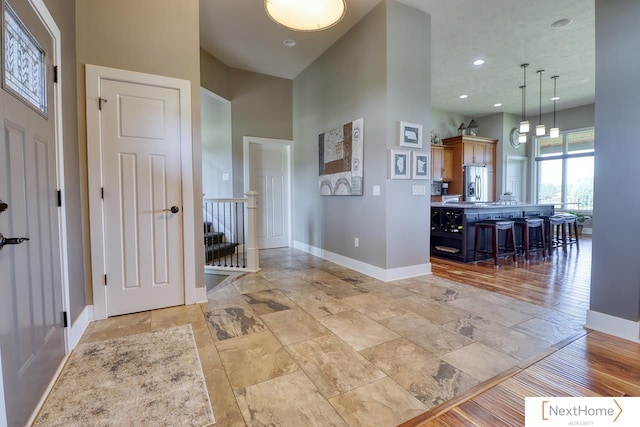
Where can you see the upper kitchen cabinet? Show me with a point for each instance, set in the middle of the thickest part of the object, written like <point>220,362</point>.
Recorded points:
<point>441,163</point>
<point>472,150</point>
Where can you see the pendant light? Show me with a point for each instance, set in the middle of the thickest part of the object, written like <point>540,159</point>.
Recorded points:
<point>307,15</point>
<point>554,132</point>
<point>540,129</point>
<point>524,124</point>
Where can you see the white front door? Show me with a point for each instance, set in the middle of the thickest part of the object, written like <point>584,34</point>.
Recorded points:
<point>268,171</point>
<point>31,291</point>
<point>142,198</point>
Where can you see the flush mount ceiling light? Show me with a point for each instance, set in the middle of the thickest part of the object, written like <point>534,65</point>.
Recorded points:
<point>554,132</point>
<point>497,104</point>
<point>307,15</point>
<point>524,124</point>
<point>540,129</point>
<point>478,62</point>
<point>464,96</point>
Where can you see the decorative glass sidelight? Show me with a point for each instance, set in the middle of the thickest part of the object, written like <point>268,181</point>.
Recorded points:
<point>24,63</point>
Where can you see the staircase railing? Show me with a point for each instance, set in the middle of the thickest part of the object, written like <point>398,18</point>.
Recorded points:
<point>230,234</point>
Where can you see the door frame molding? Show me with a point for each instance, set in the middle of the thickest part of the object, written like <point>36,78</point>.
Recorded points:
<point>288,145</point>
<point>49,23</point>
<point>94,74</point>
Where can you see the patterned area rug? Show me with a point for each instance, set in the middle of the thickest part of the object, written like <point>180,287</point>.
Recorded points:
<point>149,379</point>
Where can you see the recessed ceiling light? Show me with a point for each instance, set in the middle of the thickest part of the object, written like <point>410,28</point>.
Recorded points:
<point>289,43</point>
<point>555,98</point>
<point>560,23</point>
<point>497,105</point>
<point>478,62</point>
<point>464,96</point>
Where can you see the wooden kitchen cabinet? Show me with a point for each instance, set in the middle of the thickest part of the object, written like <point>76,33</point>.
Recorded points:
<point>471,150</point>
<point>441,163</point>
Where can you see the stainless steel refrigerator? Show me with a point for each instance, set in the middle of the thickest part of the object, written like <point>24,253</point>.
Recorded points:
<point>476,184</point>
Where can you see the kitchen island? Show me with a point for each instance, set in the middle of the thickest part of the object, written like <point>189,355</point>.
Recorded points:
<point>453,224</point>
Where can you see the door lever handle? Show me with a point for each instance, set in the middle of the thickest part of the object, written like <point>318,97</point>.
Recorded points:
<point>4,241</point>
<point>172,209</point>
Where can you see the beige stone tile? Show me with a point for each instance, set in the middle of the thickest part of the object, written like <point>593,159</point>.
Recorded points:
<point>333,366</point>
<point>206,346</point>
<point>425,376</point>
<point>480,361</point>
<point>268,301</point>
<point>433,290</point>
<point>389,290</point>
<point>433,310</point>
<point>223,401</point>
<point>252,283</point>
<point>318,304</point>
<point>274,274</point>
<point>224,297</point>
<point>351,276</point>
<point>381,403</point>
<point>547,331</point>
<point>338,288</point>
<point>233,322</point>
<point>287,401</point>
<point>292,326</point>
<point>490,311</point>
<point>177,316</point>
<point>254,358</point>
<point>116,327</point>
<point>374,306</point>
<point>428,335</point>
<point>357,330</point>
<point>296,287</point>
<point>505,340</point>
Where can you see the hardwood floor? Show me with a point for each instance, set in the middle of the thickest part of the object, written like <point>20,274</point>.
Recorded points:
<point>589,364</point>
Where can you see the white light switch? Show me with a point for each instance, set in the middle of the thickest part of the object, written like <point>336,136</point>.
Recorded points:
<point>376,190</point>
<point>419,190</point>
<point>225,177</point>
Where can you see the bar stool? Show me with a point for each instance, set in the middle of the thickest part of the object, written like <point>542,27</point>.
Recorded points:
<point>570,231</point>
<point>495,226</point>
<point>554,231</point>
<point>535,225</point>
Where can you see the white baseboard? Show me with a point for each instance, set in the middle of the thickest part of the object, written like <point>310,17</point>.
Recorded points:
<point>74,333</point>
<point>612,325</point>
<point>368,269</point>
<point>201,295</point>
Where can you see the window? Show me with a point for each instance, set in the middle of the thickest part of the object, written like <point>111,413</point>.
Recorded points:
<point>24,63</point>
<point>564,167</point>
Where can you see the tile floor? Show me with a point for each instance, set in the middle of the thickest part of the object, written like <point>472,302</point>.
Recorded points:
<point>308,342</point>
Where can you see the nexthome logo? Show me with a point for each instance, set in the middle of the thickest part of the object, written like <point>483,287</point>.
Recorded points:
<point>582,411</point>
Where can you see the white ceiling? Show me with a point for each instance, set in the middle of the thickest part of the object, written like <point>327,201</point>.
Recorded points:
<point>505,33</point>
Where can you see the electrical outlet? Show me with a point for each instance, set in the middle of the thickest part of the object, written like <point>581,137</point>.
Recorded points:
<point>356,242</point>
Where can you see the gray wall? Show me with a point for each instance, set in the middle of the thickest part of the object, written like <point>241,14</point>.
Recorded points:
<point>261,106</point>
<point>615,272</point>
<point>216,147</point>
<point>446,124</point>
<point>378,71</point>
<point>64,13</point>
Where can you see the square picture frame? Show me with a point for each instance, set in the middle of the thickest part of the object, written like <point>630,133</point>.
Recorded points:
<point>399,164</point>
<point>410,135</point>
<point>420,165</point>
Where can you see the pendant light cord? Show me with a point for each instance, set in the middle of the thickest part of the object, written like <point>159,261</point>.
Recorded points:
<point>540,110</point>
<point>555,98</point>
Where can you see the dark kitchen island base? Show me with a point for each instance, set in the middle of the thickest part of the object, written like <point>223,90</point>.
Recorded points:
<point>453,225</point>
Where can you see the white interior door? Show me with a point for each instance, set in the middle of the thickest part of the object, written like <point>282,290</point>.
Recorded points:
<point>142,202</point>
<point>515,179</point>
<point>31,295</point>
<point>269,170</point>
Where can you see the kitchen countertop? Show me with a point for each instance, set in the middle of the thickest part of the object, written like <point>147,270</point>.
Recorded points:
<point>486,205</point>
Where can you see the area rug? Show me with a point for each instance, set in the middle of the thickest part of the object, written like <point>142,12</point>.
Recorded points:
<point>149,379</point>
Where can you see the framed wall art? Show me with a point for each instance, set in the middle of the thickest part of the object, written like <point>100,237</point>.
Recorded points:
<point>420,165</point>
<point>399,164</point>
<point>410,135</point>
<point>340,160</point>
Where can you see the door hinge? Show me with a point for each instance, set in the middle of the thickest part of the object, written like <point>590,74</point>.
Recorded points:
<point>59,198</point>
<point>102,192</point>
<point>105,280</point>
<point>55,74</point>
<point>65,321</point>
<point>101,100</point>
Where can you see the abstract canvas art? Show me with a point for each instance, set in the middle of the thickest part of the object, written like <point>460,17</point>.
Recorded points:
<point>340,160</point>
